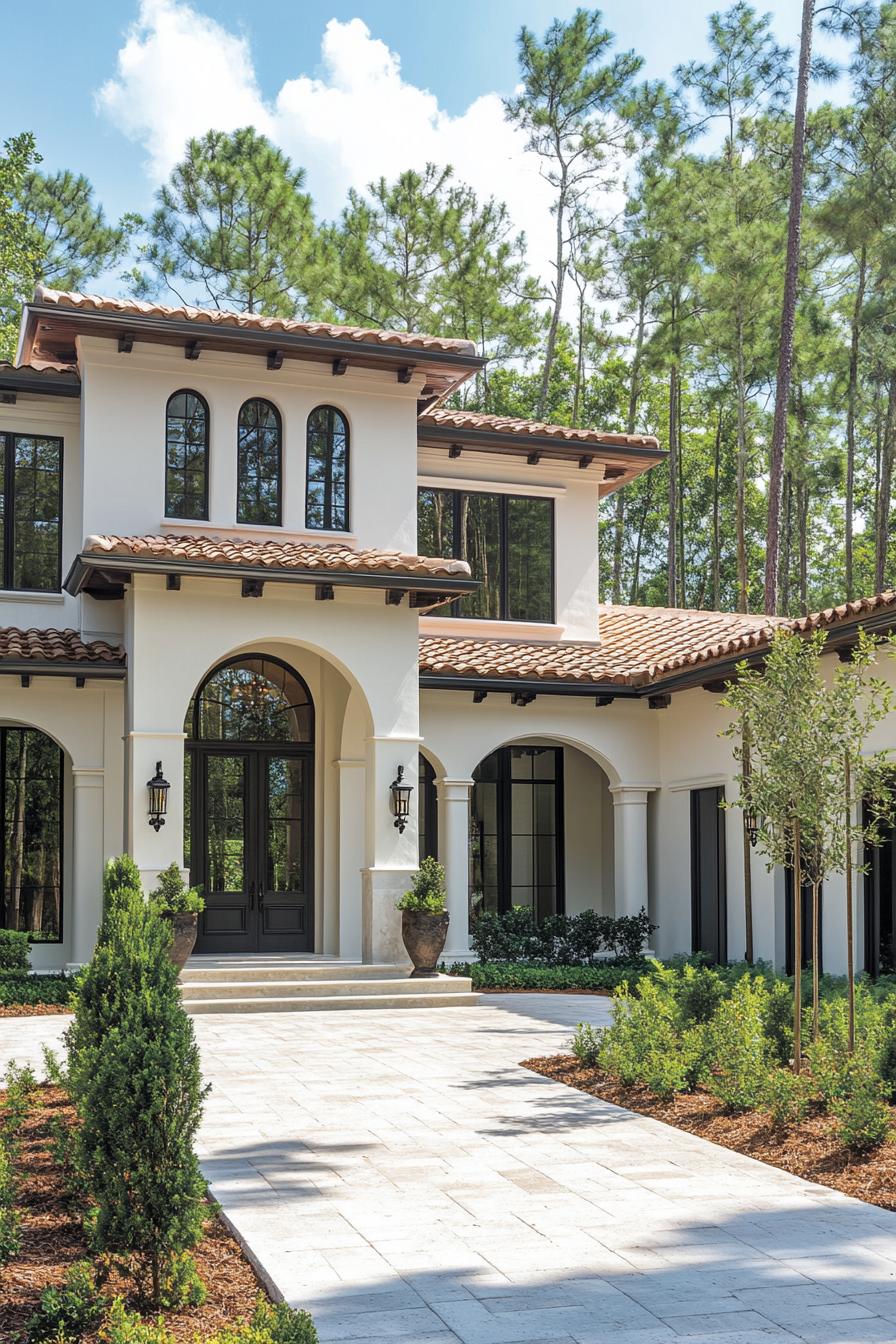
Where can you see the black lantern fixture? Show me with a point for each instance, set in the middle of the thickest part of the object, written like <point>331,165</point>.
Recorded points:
<point>401,800</point>
<point>158,788</point>
<point>751,826</point>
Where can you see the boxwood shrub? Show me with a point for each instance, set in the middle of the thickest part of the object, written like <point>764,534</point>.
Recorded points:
<point>22,989</point>
<point>521,975</point>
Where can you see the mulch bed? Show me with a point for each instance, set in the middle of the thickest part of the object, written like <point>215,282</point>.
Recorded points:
<point>810,1149</point>
<point>53,1239</point>
<point>33,1009</point>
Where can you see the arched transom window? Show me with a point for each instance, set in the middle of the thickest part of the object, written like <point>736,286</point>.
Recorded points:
<point>186,456</point>
<point>258,464</point>
<point>253,699</point>
<point>326,492</point>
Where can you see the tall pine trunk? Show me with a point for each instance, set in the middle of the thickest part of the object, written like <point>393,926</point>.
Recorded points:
<point>786,542</point>
<point>716,537</point>
<point>741,507</point>
<point>672,544</point>
<point>560,268</point>
<point>788,311</point>
<point>631,421</point>
<point>851,401</point>
<point>882,521</point>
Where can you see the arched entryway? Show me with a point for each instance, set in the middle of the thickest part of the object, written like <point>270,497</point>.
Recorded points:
<point>249,792</point>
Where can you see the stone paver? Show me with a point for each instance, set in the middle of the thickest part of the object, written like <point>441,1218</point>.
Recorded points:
<point>400,1176</point>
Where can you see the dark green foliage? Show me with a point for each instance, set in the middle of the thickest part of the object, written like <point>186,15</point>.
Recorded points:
<point>859,1105</point>
<point>427,893</point>
<point>518,975</point>
<point>283,1324</point>
<point>28,989</point>
<point>13,951</point>
<point>68,1312</point>
<point>121,881</point>
<point>10,1221</point>
<point>585,1044</point>
<point>174,896</point>
<point>560,940</point>
<point>135,1080</point>
<point>126,1327</point>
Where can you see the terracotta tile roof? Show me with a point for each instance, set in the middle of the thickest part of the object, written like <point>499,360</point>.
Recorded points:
<point>55,646</point>
<point>216,317</point>
<point>847,611</point>
<point>38,367</point>
<point>331,558</point>
<point>513,427</point>
<point>638,645</point>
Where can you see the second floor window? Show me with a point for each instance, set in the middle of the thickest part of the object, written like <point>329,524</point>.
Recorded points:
<point>186,456</point>
<point>258,464</point>
<point>326,494</point>
<point>31,512</point>
<point>508,542</point>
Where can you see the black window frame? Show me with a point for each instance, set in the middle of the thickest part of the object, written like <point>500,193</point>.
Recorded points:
<point>5,730</point>
<point>249,522</point>
<point>504,784</point>
<point>700,797</point>
<point>504,499</point>
<point>428,809</point>
<point>189,392</point>
<point>7,444</point>
<point>327,525</point>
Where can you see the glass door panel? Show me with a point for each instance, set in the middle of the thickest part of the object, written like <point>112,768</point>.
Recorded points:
<point>228,922</point>
<point>286,909</point>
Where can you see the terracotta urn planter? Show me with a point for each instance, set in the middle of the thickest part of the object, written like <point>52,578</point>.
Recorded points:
<point>424,937</point>
<point>183,935</point>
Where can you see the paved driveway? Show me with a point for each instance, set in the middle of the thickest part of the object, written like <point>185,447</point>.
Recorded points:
<point>398,1174</point>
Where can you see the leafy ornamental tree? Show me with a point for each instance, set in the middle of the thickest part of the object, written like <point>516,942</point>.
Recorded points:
<point>135,1080</point>
<point>807,774</point>
<point>577,109</point>
<point>76,243</point>
<point>233,228</point>
<point>19,251</point>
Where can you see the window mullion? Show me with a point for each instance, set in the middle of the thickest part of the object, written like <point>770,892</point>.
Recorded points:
<point>9,512</point>
<point>504,551</point>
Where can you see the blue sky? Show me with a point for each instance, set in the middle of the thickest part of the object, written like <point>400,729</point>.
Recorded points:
<point>113,88</point>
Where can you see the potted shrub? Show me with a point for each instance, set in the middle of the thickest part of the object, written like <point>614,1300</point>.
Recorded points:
<point>424,919</point>
<point>181,907</point>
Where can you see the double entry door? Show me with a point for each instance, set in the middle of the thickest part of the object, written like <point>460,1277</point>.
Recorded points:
<point>251,844</point>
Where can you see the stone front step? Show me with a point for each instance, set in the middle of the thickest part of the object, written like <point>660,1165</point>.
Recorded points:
<point>349,1001</point>
<point>279,984</point>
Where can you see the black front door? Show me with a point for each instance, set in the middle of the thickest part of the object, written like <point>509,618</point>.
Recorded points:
<point>252,848</point>
<point>709,897</point>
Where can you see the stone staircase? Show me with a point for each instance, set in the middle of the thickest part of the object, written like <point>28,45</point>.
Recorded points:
<point>278,983</point>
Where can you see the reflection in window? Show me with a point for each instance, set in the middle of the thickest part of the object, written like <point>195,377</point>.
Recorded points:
<point>508,542</point>
<point>31,511</point>
<point>258,464</point>
<point>427,810</point>
<point>252,700</point>
<point>326,492</point>
<point>186,456</point>
<point>226,823</point>
<point>516,831</point>
<point>31,772</point>
<point>286,848</point>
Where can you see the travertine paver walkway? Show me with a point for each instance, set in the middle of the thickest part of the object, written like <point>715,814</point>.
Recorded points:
<point>398,1174</point>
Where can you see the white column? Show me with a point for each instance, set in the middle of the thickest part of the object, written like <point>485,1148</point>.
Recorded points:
<point>630,847</point>
<point>390,855</point>
<point>152,850</point>
<point>351,854</point>
<point>84,905</point>
<point>454,853</point>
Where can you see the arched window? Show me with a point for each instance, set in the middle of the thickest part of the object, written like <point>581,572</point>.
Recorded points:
<point>326,490</point>
<point>258,464</point>
<point>31,833</point>
<point>253,699</point>
<point>186,456</point>
<point>427,810</point>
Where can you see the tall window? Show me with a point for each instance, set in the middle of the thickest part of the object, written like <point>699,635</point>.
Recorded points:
<point>709,893</point>
<point>258,464</point>
<point>427,810</point>
<point>31,833</point>
<point>326,490</point>
<point>186,456</point>
<point>508,542</point>
<point>31,512</point>
<point>516,831</point>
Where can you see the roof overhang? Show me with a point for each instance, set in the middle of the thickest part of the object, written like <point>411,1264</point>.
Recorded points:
<point>49,331</point>
<point>104,576</point>
<point>621,462</point>
<point>80,669</point>
<point>42,383</point>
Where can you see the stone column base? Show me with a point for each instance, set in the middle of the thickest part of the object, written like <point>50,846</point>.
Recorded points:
<point>380,921</point>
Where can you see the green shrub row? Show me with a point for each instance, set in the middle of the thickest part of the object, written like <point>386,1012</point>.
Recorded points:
<point>688,1026</point>
<point>14,950</point>
<point>559,940</point>
<point>19,1084</point>
<point>16,989</point>
<point>519,975</point>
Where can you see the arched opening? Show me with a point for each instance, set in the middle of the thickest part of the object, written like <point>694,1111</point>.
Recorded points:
<point>32,784</point>
<point>541,831</point>
<point>249,806</point>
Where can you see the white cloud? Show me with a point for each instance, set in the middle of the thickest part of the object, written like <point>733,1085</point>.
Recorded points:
<point>180,73</point>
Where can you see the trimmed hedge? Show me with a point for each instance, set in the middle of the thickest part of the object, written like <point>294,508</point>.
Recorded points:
<point>559,940</point>
<point>13,950</point>
<point>519,975</point>
<point>16,989</point>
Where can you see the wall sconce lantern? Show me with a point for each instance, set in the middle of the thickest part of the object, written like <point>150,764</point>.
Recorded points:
<point>158,788</point>
<point>401,800</point>
<point>751,826</point>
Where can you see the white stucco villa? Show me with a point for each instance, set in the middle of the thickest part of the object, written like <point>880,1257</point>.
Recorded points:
<point>257,554</point>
